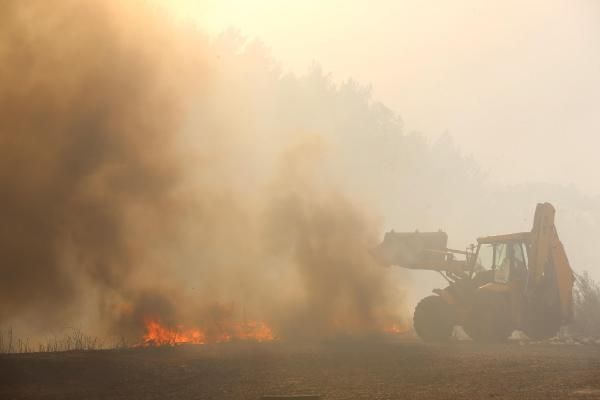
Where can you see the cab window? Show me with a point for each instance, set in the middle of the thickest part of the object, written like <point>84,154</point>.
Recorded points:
<point>485,258</point>
<point>502,263</point>
<point>519,263</point>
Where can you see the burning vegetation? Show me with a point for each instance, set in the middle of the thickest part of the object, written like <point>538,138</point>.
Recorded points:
<point>161,335</point>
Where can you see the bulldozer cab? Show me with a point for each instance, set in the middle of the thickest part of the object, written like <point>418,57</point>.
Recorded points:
<point>505,261</point>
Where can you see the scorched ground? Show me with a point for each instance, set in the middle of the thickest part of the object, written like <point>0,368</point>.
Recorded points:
<point>336,370</point>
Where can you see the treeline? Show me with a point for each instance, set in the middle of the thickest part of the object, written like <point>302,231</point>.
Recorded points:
<point>409,181</point>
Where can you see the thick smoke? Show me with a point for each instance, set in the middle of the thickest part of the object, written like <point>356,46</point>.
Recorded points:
<point>326,238</point>
<point>87,114</point>
<point>132,187</point>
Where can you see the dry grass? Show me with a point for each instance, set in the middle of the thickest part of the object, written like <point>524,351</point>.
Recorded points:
<point>73,339</point>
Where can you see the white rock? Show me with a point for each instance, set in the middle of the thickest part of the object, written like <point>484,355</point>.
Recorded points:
<point>458,333</point>
<point>519,335</point>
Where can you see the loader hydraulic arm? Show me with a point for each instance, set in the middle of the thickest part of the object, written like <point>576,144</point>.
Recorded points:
<point>421,250</point>
<point>547,256</point>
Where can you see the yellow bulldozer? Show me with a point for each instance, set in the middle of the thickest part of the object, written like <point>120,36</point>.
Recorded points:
<point>519,281</point>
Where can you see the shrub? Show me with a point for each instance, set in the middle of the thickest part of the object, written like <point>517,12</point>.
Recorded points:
<point>586,299</point>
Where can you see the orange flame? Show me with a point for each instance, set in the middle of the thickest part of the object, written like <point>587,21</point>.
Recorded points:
<point>160,335</point>
<point>395,328</point>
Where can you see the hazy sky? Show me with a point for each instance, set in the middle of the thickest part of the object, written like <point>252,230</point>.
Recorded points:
<point>516,83</point>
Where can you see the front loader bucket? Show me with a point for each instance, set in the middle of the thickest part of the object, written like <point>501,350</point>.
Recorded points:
<point>414,250</point>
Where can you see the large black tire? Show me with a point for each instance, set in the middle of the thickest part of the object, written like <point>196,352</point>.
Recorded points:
<point>490,319</point>
<point>433,319</point>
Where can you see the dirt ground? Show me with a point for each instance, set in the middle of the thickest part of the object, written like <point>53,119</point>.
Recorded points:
<point>404,369</point>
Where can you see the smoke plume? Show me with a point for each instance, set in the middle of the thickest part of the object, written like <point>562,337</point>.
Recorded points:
<point>132,187</point>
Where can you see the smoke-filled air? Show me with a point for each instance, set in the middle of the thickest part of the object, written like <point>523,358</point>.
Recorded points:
<point>153,179</point>
<point>160,184</point>
<point>299,199</point>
